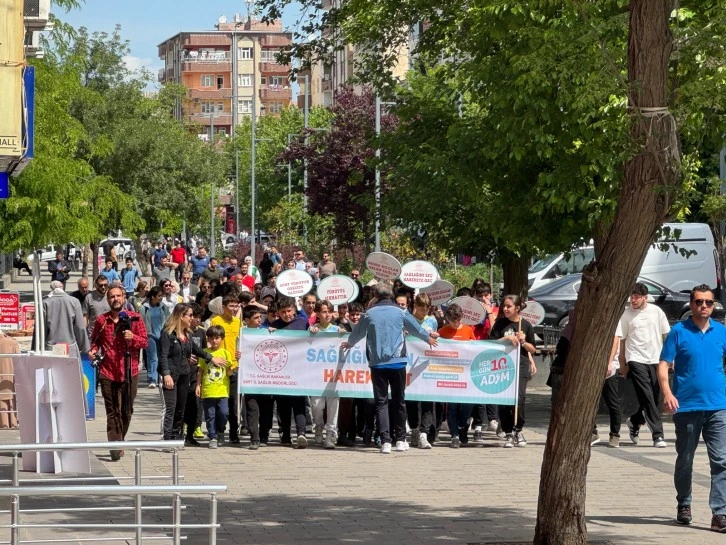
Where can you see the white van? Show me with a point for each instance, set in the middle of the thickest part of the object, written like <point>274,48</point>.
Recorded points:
<point>671,268</point>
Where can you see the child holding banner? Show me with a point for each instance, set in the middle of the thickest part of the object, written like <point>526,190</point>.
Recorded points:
<point>324,313</point>
<point>457,414</point>
<point>423,429</point>
<point>511,327</point>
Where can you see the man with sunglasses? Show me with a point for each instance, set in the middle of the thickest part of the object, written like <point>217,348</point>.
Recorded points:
<point>695,349</point>
<point>644,327</point>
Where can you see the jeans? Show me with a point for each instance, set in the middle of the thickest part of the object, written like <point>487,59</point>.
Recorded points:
<point>331,404</point>
<point>175,401</point>
<point>457,415</point>
<point>689,426</point>
<point>396,379</point>
<point>152,360</point>
<point>215,413</point>
<point>645,382</point>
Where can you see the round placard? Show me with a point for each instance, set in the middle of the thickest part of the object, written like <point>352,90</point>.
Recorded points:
<point>534,313</point>
<point>337,289</point>
<point>294,283</point>
<point>439,292</point>
<point>419,274</point>
<point>473,311</point>
<point>383,266</point>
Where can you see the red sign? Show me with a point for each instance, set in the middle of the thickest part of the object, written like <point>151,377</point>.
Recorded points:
<point>27,316</point>
<point>9,310</point>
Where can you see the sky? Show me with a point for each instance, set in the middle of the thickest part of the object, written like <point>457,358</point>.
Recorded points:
<point>147,23</point>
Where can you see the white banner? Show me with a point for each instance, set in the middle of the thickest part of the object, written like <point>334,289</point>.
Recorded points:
<point>301,363</point>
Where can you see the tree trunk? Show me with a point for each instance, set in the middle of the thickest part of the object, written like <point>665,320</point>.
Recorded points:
<point>514,269</point>
<point>649,180</point>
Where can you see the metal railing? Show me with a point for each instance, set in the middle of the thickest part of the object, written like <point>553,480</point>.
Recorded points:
<point>137,491</point>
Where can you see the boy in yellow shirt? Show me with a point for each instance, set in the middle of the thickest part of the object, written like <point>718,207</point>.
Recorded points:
<point>231,324</point>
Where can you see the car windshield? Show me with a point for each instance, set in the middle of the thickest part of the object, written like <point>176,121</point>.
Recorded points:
<point>543,263</point>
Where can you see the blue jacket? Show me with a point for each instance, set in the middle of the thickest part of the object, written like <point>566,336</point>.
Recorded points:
<point>383,325</point>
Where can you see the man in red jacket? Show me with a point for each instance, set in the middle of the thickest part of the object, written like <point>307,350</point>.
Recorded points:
<point>179,256</point>
<point>114,334</point>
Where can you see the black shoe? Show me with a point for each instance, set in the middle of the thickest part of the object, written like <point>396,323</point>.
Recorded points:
<point>683,515</point>
<point>254,445</point>
<point>367,438</point>
<point>235,440</point>
<point>286,440</point>
<point>191,442</point>
<point>718,523</point>
<point>345,442</point>
<point>244,431</point>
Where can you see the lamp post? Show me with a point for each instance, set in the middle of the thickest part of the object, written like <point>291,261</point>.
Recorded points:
<point>212,243</point>
<point>378,172</point>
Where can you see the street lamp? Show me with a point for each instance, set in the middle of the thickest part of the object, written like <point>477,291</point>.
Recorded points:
<point>378,171</point>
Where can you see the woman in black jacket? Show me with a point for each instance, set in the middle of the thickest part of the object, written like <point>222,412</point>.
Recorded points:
<point>175,350</point>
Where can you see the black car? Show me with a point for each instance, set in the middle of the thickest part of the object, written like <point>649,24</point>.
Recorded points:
<point>558,298</point>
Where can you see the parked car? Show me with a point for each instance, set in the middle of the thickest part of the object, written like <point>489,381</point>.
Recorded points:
<point>558,298</point>
<point>48,252</point>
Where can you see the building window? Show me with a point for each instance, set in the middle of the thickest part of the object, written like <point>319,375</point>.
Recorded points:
<point>222,131</point>
<point>269,55</point>
<point>263,80</point>
<point>207,107</point>
<point>244,107</point>
<point>244,80</point>
<point>244,53</point>
<point>220,82</point>
<point>207,80</point>
<point>278,81</point>
<point>220,106</point>
<point>274,107</point>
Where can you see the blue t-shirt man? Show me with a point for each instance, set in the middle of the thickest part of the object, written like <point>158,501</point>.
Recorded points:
<point>699,383</point>
<point>199,263</point>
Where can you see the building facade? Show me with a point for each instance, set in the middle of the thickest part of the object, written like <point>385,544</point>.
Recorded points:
<point>227,72</point>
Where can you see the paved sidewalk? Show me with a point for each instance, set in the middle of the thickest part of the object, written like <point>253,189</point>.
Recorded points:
<point>475,495</point>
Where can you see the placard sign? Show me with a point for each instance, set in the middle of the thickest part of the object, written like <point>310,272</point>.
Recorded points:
<point>294,283</point>
<point>383,266</point>
<point>27,316</point>
<point>439,292</point>
<point>474,311</point>
<point>9,310</point>
<point>337,289</point>
<point>534,313</point>
<point>419,274</point>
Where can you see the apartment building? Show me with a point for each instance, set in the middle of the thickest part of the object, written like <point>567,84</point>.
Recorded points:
<point>228,72</point>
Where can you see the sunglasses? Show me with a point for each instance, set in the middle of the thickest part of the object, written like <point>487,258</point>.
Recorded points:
<point>701,302</point>
<point>354,275</point>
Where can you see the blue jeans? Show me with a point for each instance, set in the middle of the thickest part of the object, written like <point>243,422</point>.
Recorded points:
<point>456,416</point>
<point>152,360</point>
<point>215,414</point>
<point>689,427</point>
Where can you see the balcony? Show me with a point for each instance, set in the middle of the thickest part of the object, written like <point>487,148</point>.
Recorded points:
<point>275,40</point>
<point>162,50</point>
<point>275,92</point>
<point>207,94</point>
<point>162,75</point>
<point>274,68</point>
<point>220,118</point>
<point>207,67</point>
<point>206,40</point>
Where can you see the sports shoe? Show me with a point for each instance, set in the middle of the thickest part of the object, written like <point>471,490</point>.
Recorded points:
<point>633,432</point>
<point>509,441</point>
<point>683,514</point>
<point>455,442</point>
<point>318,439</point>
<point>493,425</point>
<point>415,438</point>
<point>478,437</point>
<point>343,441</point>
<point>191,442</point>
<point>660,443</point>
<point>401,446</point>
<point>718,523</point>
<point>614,441</point>
<point>423,441</point>
<point>594,439</point>
<point>198,433</point>
<point>254,445</point>
<point>152,386</point>
<point>220,439</point>
<point>386,448</point>
<point>330,440</point>
<point>301,442</point>
<point>500,432</point>
<point>519,440</point>
<point>213,443</point>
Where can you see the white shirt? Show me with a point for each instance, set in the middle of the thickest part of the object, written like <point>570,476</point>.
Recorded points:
<point>643,332</point>
<point>615,364</point>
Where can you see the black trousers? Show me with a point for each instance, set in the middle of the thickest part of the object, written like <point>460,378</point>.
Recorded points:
<point>611,396</point>
<point>258,409</point>
<point>647,389</point>
<point>483,414</point>
<point>506,412</point>
<point>233,404</point>
<point>432,414</point>
<point>286,405</point>
<point>413,414</point>
<point>395,379</point>
<point>192,412</point>
<point>175,401</point>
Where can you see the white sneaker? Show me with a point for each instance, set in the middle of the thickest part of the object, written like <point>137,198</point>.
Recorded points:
<point>386,448</point>
<point>423,442</point>
<point>519,439</point>
<point>330,440</point>
<point>301,442</point>
<point>492,426</point>
<point>660,443</point>
<point>455,442</point>
<point>509,441</point>
<point>500,432</point>
<point>401,446</point>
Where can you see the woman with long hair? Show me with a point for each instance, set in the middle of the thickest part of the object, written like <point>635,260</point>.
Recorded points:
<point>510,326</point>
<point>176,349</point>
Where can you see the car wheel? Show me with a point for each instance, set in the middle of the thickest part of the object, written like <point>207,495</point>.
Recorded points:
<point>563,321</point>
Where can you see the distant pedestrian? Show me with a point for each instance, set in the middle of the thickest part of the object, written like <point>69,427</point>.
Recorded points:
<point>95,303</point>
<point>82,291</point>
<point>59,269</point>
<point>696,348</point>
<point>64,321</point>
<point>129,276</point>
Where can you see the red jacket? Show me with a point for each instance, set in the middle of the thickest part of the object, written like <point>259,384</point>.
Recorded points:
<point>113,346</point>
